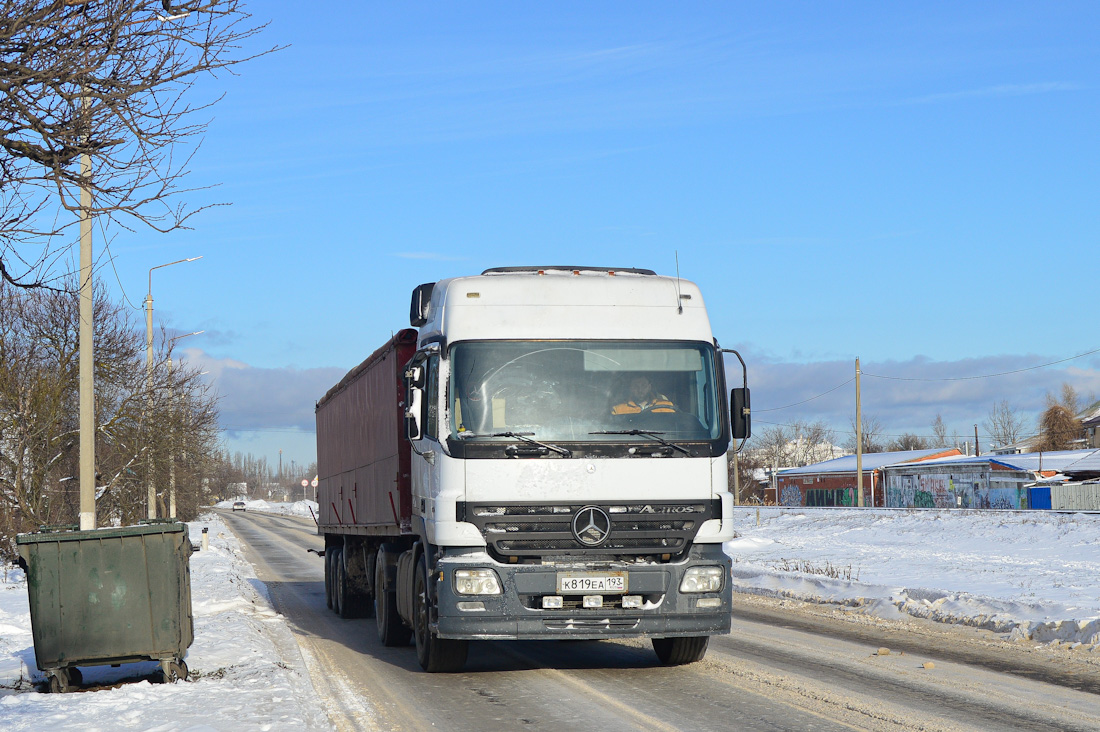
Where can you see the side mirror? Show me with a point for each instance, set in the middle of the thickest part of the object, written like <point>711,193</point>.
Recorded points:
<point>421,304</point>
<point>740,414</point>
<point>414,376</point>
<point>413,397</point>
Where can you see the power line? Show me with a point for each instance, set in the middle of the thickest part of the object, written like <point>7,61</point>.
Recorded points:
<point>788,406</point>
<point>984,376</point>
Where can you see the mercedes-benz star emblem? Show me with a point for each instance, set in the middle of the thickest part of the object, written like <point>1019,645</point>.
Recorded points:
<point>591,526</point>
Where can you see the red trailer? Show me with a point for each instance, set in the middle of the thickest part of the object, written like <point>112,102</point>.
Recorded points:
<point>363,460</point>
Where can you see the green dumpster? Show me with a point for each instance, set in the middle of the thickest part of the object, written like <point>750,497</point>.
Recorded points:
<point>109,596</point>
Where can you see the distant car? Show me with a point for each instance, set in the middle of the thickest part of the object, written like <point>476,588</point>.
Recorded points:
<point>238,506</point>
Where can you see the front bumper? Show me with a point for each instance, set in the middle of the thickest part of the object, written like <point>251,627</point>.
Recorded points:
<point>517,613</point>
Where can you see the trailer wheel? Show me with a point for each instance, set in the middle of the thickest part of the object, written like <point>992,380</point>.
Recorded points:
<point>391,631</point>
<point>680,651</point>
<point>334,569</point>
<point>340,589</point>
<point>436,655</point>
<point>328,576</point>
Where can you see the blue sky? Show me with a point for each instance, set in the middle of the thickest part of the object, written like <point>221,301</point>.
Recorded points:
<point>914,184</point>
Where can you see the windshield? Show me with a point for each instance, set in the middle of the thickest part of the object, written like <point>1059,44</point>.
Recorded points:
<point>579,391</point>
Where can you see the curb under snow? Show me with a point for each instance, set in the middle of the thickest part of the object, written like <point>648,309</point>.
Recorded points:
<point>960,608</point>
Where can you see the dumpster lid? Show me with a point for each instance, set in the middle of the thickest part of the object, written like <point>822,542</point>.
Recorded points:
<point>51,533</point>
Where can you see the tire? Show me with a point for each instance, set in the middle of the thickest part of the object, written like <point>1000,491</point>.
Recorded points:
<point>350,604</point>
<point>329,551</point>
<point>58,683</point>
<point>75,677</point>
<point>337,559</point>
<point>435,654</point>
<point>680,651</point>
<point>391,631</point>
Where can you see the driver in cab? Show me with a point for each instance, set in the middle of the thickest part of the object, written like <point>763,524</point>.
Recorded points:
<point>642,397</point>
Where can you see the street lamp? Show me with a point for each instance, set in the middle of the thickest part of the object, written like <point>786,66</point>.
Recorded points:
<point>171,428</point>
<point>152,492</point>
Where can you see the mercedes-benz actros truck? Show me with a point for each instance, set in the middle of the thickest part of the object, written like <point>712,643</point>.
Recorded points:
<point>543,455</point>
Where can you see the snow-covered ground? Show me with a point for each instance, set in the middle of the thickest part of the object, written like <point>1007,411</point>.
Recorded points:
<point>1026,574</point>
<point>1021,574</point>
<point>248,673</point>
<point>298,508</point>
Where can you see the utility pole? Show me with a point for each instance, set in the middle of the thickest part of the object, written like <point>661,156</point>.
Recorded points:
<point>151,498</point>
<point>977,450</point>
<point>87,348</point>
<point>172,427</point>
<point>859,443</point>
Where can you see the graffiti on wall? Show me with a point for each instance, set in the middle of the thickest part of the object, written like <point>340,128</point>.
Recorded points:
<point>943,491</point>
<point>790,496</point>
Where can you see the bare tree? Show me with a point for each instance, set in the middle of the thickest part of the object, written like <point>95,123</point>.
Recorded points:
<point>872,431</point>
<point>908,441</point>
<point>39,414</point>
<point>939,432</point>
<point>109,80</point>
<point>794,445</point>
<point>1069,399</point>
<point>1059,429</point>
<point>1003,424</point>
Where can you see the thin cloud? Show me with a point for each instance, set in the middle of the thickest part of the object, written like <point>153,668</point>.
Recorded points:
<point>433,256</point>
<point>785,392</point>
<point>1000,90</point>
<point>254,398</point>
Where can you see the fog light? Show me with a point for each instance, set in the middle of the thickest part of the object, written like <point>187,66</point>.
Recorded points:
<point>476,582</point>
<point>709,602</point>
<point>702,579</point>
<point>632,601</point>
<point>593,601</point>
<point>471,606</point>
<point>551,602</point>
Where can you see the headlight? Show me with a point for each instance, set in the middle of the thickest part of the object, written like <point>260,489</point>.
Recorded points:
<point>476,582</point>
<point>702,579</point>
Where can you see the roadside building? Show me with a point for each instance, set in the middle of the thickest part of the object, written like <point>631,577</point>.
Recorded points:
<point>1086,468</point>
<point>1046,465</point>
<point>960,481</point>
<point>833,482</point>
<point>1090,420</point>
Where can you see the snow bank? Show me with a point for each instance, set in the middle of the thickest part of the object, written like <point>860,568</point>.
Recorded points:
<point>298,508</point>
<point>248,673</point>
<point>1029,575</point>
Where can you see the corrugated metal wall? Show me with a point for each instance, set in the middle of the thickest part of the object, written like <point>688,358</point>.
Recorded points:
<point>362,456</point>
<point>1081,497</point>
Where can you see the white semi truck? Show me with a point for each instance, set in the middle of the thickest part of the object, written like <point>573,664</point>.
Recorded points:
<point>546,458</point>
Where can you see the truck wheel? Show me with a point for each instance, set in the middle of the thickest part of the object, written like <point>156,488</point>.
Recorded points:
<point>352,605</point>
<point>679,651</point>
<point>329,551</point>
<point>391,631</point>
<point>334,569</point>
<point>340,589</point>
<point>436,655</point>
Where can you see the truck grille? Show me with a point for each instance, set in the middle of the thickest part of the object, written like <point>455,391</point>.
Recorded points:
<point>525,530</point>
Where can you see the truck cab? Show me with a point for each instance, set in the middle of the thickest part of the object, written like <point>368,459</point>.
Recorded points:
<point>569,430</point>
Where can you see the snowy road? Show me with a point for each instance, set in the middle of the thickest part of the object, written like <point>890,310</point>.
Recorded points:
<point>813,674</point>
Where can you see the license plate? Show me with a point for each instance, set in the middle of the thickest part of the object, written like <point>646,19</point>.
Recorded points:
<point>588,583</point>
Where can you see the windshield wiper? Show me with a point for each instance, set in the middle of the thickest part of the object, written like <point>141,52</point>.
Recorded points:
<point>525,436</point>
<point>647,433</point>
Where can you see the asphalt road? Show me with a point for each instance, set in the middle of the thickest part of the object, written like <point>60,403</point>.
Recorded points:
<point>769,673</point>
